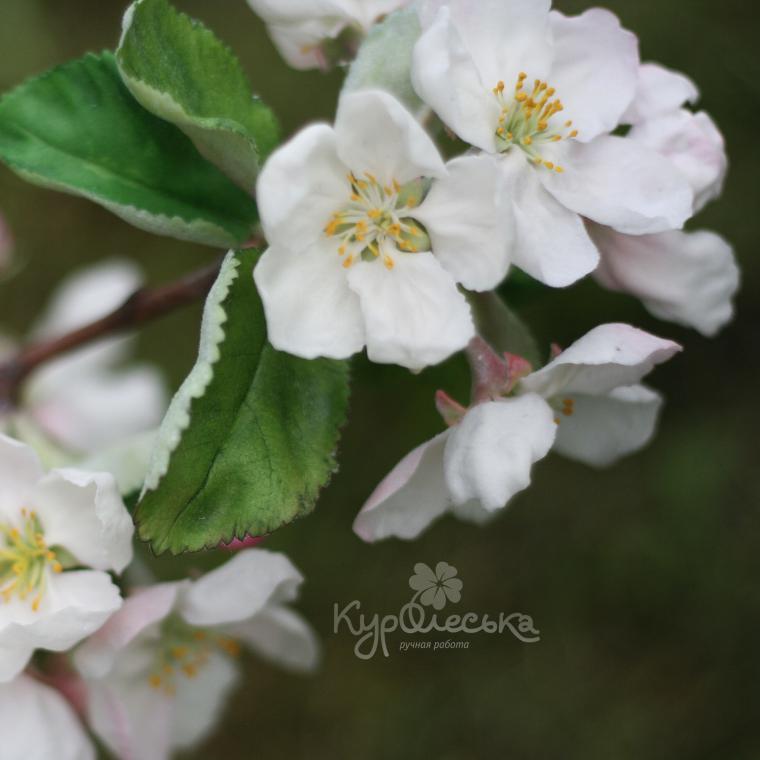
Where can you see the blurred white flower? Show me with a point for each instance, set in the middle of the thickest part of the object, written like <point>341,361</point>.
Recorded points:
<point>541,93</point>
<point>85,401</point>
<point>159,672</point>
<point>300,28</point>
<point>37,723</point>
<point>50,523</point>
<point>587,404</point>
<point>686,277</point>
<point>349,262</point>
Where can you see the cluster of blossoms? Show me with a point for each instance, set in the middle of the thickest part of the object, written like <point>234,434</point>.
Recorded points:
<point>579,160</point>
<point>582,161</point>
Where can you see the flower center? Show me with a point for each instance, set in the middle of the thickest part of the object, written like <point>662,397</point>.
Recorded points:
<point>24,560</point>
<point>374,224</point>
<point>565,407</point>
<point>183,653</point>
<point>527,121</point>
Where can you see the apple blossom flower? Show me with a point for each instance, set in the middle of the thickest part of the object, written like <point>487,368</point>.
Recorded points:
<point>81,401</point>
<point>357,257</point>
<point>51,524</point>
<point>541,93</point>
<point>37,723</point>
<point>159,671</point>
<point>300,28</point>
<point>686,277</point>
<point>587,404</point>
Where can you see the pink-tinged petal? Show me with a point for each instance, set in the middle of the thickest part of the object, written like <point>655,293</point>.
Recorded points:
<point>20,469</point>
<point>409,499</point>
<point>602,429</point>
<point>468,220</point>
<point>445,76</point>
<point>376,134</point>
<point>551,241</point>
<point>607,357</point>
<point>240,588</point>
<point>36,723</point>
<point>694,145</point>
<point>143,610</point>
<point>84,513</point>
<point>595,70</point>
<point>689,278</point>
<point>659,91</point>
<point>621,183</point>
<point>301,185</point>
<point>239,544</point>
<point>310,309</point>
<point>490,454</point>
<point>414,314</point>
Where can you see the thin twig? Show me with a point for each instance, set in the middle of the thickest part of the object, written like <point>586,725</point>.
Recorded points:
<point>143,306</point>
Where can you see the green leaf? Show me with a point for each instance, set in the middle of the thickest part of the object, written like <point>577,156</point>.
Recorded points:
<point>180,71</point>
<point>249,439</point>
<point>385,59</point>
<point>502,329</point>
<point>77,129</point>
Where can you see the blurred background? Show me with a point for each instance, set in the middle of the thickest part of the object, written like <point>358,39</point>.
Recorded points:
<point>644,580</point>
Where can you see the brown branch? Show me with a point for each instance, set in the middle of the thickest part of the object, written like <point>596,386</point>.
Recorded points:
<point>141,307</point>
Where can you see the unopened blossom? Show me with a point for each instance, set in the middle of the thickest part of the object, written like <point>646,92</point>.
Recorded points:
<point>361,253</point>
<point>37,723</point>
<point>84,401</point>
<point>159,672</point>
<point>587,404</point>
<point>60,534</point>
<point>685,277</point>
<point>542,93</point>
<point>300,28</point>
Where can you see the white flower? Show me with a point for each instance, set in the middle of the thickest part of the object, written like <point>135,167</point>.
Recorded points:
<point>37,723</point>
<point>81,400</point>
<point>158,673</point>
<point>299,28</point>
<point>686,277</point>
<point>587,404</point>
<point>350,263</point>
<point>48,524</point>
<point>541,93</point>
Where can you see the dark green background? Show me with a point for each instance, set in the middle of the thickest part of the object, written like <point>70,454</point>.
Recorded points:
<point>644,579</point>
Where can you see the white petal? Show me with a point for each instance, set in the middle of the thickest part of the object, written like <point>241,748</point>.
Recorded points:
<point>410,498</point>
<point>474,512</point>
<point>414,314</point>
<point>280,635</point>
<point>444,75</point>
<point>14,656</point>
<point>659,91</point>
<point>36,723</point>
<point>595,70</point>
<point>490,453</point>
<point>20,469</point>
<point>241,588</point>
<point>470,229</point>
<point>376,134</point>
<point>620,183</point>
<point>133,720</point>
<point>75,605</point>
<point>200,702</point>
<point>141,611</point>
<point>301,185</point>
<point>605,428</point>
<point>551,242</point>
<point>694,145</point>
<point>607,357</point>
<point>689,278</point>
<point>309,307</point>
<point>84,513</point>
<point>88,295</point>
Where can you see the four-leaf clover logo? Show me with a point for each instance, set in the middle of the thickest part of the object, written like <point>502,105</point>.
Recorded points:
<point>435,588</point>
